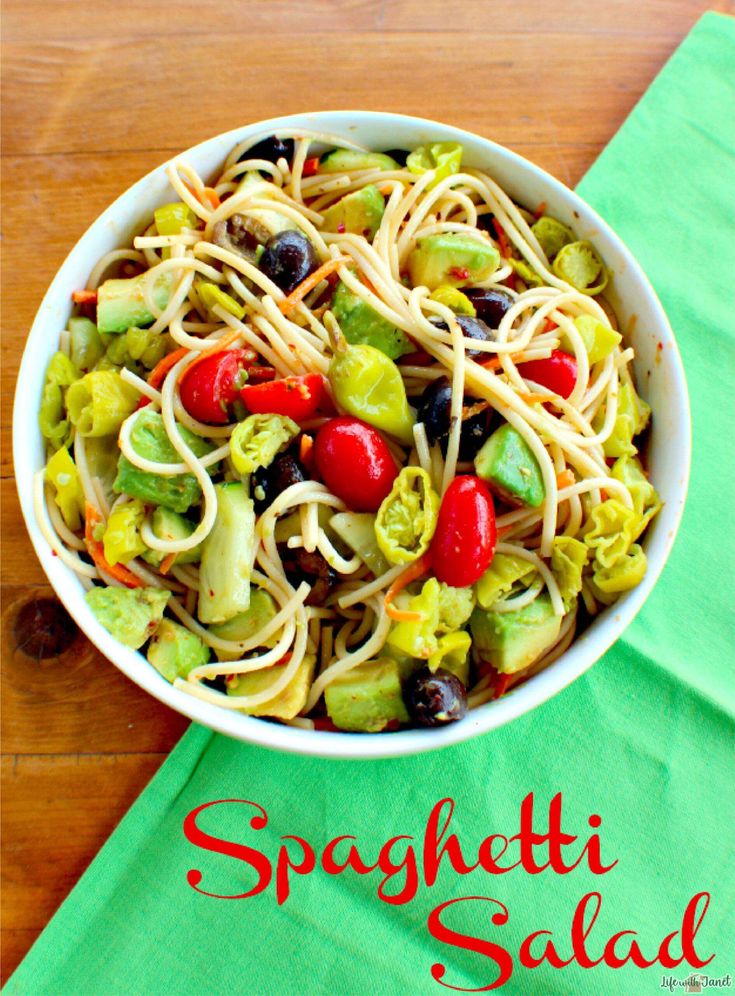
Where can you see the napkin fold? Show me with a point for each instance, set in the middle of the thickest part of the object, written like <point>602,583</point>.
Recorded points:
<point>645,739</point>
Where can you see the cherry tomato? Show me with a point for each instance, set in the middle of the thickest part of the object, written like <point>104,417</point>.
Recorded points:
<point>464,541</point>
<point>300,398</point>
<point>208,390</point>
<point>355,463</point>
<point>558,373</point>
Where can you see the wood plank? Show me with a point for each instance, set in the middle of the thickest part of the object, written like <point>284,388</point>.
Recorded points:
<point>504,86</point>
<point>76,19</point>
<point>86,797</point>
<point>65,194</point>
<point>77,701</point>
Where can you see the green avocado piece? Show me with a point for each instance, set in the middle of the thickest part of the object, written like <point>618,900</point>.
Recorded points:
<point>357,530</point>
<point>132,615</point>
<point>453,260</point>
<point>149,440</point>
<point>289,702</point>
<point>168,525</point>
<point>362,324</point>
<point>510,468</point>
<point>245,624</point>
<point>346,160</point>
<point>359,212</point>
<point>511,641</point>
<point>121,304</point>
<point>367,698</point>
<point>175,650</point>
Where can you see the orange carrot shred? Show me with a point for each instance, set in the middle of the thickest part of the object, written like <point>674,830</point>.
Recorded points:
<point>218,347</point>
<point>413,571</point>
<point>565,479</point>
<point>158,373</point>
<point>167,563</point>
<point>306,450</point>
<point>300,292</point>
<point>530,398</point>
<point>84,297</point>
<point>96,552</point>
<point>210,196</point>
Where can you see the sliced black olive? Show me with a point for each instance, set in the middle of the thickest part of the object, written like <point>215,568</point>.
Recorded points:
<point>485,223</point>
<point>269,482</point>
<point>490,304</point>
<point>472,328</point>
<point>312,568</point>
<point>288,259</point>
<point>240,235</point>
<point>435,699</point>
<point>271,149</point>
<point>434,411</point>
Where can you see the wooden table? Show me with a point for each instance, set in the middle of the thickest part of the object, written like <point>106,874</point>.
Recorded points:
<point>98,94</point>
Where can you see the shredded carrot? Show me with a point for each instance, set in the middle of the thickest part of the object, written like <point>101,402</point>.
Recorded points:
<point>386,189</point>
<point>300,292</point>
<point>207,196</point>
<point>367,283</point>
<point>167,563</point>
<point>84,297</point>
<point>565,479</point>
<point>469,411</point>
<point>503,531</point>
<point>530,398</point>
<point>413,571</point>
<point>158,373</point>
<point>218,347</point>
<point>491,363</point>
<point>96,552</point>
<point>306,450</point>
<point>540,210</point>
<point>550,325</point>
<point>311,166</point>
<point>505,248</point>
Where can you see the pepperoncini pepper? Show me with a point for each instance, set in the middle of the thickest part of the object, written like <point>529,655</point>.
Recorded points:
<point>407,517</point>
<point>368,385</point>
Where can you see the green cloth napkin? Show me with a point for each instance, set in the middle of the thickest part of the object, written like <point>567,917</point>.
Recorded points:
<point>644,739</point>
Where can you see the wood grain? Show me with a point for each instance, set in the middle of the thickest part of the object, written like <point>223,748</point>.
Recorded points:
<point>95,95</point>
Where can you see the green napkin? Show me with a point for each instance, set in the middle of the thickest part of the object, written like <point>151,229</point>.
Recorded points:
<point>644,739</point>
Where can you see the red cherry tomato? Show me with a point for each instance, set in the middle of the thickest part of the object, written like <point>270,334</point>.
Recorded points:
<point>464,541</point>
<point>355,463</point>
<point>300,398</point>
<point>558,373</point>
<point>208,390</point>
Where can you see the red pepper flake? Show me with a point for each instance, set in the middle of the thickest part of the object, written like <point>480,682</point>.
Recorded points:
<point>341,228</point>
<point>460,273</point>
<point>660,345</point>
<point>550,325</point>
<point>501,685</point>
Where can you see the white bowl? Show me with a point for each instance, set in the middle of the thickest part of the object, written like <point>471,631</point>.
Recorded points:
<point>658,368</point>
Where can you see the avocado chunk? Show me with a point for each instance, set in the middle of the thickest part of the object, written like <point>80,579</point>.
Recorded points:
<point>511,641</point>
<point>121,303</point>
<point>510,468</point>
<point>367,698</point>
<point>359,212</point>
<point>150,440</point>
<point>346,160</point>
<point>453,260</point>
<point>246,624</point>
<point>289,702</point>
<point>362,324</point>
<point>132,615</point>
<point>228,553</point>
<point>357,530</point>
<point>175,650</point>
<point>168,525</point>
